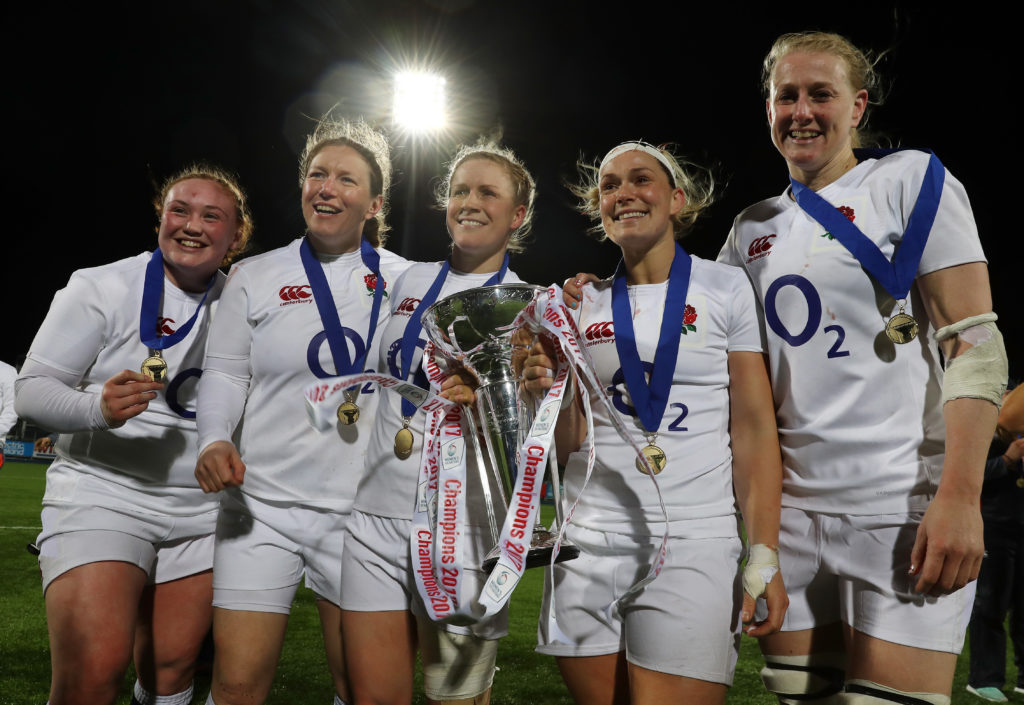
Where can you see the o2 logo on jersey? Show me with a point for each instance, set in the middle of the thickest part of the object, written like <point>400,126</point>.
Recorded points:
<point>760,247</point>
<point>393,352</point>
<point>810,294</point>
<point>356,350</point>
<point>619,382</point>
<point>164,326</point>
<point>174,388</point>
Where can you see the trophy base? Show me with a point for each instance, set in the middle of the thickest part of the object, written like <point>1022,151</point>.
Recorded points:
<point>541,548</point>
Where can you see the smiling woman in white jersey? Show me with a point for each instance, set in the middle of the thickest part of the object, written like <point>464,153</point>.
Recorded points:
<point>487,198</point>
<point>870,273</point>
<point>127,540</point>
<point>675,343</point>
<point>290,317</point>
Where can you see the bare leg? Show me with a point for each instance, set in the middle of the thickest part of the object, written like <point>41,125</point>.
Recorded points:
<point>173,620</point>
<point>647,687</point>
<point>901,667</point>
<point>380,654</point>
<point>91,612</point>
<point>596,680</point>
<point>247,647</point>
<point>330,623</point>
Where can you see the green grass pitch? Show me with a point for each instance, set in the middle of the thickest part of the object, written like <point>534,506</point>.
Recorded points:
<point>524,677</point>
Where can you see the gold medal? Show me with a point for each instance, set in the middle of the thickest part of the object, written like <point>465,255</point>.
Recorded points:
<point>901,328</point>
<point>154,366</point>
<point>403,441</point>
<point>1020,482</point>
<point>348,412</point>
<point>655,456</point>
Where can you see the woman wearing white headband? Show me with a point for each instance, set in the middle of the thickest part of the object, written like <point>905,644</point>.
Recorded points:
<point>863,264</point>
<point>675,342</point>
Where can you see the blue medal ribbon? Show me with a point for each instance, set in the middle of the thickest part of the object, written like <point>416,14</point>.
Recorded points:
<point>152,292</point>
<point>329,312</point>
<point>895,277</point>
<point>650,400</point>
<point>411,334</point>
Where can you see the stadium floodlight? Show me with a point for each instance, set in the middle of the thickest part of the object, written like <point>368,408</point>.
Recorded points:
<point>419,101</point>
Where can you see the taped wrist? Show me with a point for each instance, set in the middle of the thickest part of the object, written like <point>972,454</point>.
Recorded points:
<point>762,565</point>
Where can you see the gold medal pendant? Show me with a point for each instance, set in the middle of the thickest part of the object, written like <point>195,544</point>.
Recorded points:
<point>348,412</point>
<point>1020,482</point>
<point>154,366</point>
<point>403,441</point>
<point>901,328</point>
<point>655,456</point>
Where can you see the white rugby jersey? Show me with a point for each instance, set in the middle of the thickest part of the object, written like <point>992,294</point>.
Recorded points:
<point>267,345</point>
<point>90,334</point>
<point>860,418</point>
<point>388,487</point>
<point>696,483</point>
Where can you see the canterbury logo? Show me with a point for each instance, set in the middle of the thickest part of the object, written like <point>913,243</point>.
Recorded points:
<point>408,305</point>
<point>760,245</point>
<point>164,327</point>
<point>599,331</point>
<point>291,294</point>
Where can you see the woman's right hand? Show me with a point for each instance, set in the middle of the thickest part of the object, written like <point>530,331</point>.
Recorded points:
<point>219,466</point>
<point>126,395</point>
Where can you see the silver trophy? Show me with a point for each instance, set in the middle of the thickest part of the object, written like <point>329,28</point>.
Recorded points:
<point>475,329</point>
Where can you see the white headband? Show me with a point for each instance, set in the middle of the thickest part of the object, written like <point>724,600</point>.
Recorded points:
<point>638,145</point>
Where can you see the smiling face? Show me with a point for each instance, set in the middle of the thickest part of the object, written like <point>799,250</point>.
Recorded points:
<point>337,199</point>
<point>812,111</point>
<point>481,214</point>
<point>197,228</point>
<point>638,202</point>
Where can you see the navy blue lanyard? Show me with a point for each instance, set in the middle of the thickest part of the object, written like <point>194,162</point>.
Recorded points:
<point>329,312</point>
<point>895,277</point>
<point>651,399</point>
<point>152,292</point>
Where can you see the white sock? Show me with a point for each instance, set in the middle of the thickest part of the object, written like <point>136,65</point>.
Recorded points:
<point>144,697</point>
<point>338,700</point>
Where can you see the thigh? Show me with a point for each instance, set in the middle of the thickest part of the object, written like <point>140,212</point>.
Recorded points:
<point>74,535</point>
<point>91,613</point>
<point>380,654</point>
<point>685,623</point>
<point>247,647</point>
<point>596,680</point>
<point>574,619</point>
<point>872,557</point>
<point>256,568</point>
<point>375,571</point>
<point>648,687</point>
<point>898,666</point>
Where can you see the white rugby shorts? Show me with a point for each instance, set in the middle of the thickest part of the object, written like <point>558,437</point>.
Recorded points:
<point>263,548</point>
<point>686,622</point>
<point>376,573</point>
<point>101,522</point>
<point>854,568</point>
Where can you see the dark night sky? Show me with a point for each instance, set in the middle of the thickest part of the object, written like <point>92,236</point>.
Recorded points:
<point>107,98</point>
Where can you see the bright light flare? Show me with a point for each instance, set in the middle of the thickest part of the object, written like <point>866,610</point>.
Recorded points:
<point>419,101</point>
